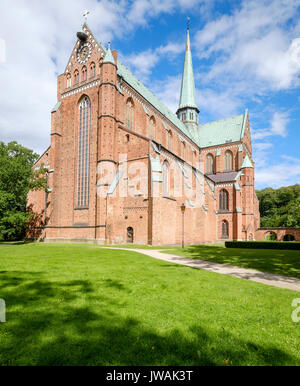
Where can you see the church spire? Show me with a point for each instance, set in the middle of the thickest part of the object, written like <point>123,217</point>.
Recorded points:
<point>188,111</point>
<point>187,95</point>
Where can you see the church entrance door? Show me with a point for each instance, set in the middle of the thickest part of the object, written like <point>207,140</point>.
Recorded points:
<point>130,235</point>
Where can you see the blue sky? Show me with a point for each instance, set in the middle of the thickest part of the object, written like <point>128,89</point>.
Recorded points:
<point>246,54</point>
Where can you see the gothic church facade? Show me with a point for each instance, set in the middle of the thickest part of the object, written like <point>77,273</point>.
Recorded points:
<point>104,119</point>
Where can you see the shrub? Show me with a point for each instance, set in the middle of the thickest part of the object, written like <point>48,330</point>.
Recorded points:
<point>263,244</point>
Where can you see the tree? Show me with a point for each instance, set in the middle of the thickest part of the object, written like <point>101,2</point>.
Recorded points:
<point>280,207</point>
<point>17,177</point>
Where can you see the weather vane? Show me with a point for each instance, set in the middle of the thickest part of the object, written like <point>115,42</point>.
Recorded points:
<point>188,22</point>
<point>86,13</point>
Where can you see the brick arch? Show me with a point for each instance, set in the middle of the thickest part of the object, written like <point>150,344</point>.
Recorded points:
<point>270,235</point>
<point>280,233</point>
<point>130,235</point>
<point>81,97</point>
<point>288,237</point>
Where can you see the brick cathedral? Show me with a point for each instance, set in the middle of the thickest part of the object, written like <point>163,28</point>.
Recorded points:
<point>121,164</point>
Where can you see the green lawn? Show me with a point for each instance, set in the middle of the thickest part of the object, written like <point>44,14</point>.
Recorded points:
<point>282,262</point>
<point>83,305</point>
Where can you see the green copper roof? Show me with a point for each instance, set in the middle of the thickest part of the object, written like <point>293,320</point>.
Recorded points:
<point>108,58</point>
<point>222,131</point>
<point>210,134</point>
<point>246,163</point>
<point>56,107</point>
<point>129,78</point>
<point>187,94</point>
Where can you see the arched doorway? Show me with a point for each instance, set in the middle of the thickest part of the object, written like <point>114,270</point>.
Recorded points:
<point>130,234</point>
<point>289,237</point>
<point>271,236</point>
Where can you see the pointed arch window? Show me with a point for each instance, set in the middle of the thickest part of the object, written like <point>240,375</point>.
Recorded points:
<point>76,77</point>
<point>225,230</point>
<point>129,114</point>
<point>84,74</point>
<point>194,161</point>
<point>182,150</point>
<point>223,200</point>
<point>152,128</point>
<point>170,140</point>
<point>68,80</point>
<point>166,179</point>
<point>84,153</point>
<point>228,160</point>
<point>92,70</point>
<point>209,164</point>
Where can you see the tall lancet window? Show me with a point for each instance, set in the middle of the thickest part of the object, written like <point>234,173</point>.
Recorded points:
<point>169,140</point>
<point>228,160</point>
<point>129,114</point>
<point>209,164</point>
<point>152,128</point>
<point>223,200</point>
<point>84,153</point>
<point>166,179</point>
<point>68,80</point>
<point>225,230</point>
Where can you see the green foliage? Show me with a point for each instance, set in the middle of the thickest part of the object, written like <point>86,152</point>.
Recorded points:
<point>263,244</point>
<point>280,207</point>
<point>16,179</point>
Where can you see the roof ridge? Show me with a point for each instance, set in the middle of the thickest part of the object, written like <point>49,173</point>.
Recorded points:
<point>223,119</point>
<point>175,120</point>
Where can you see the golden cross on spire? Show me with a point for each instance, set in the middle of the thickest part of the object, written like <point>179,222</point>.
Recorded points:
<point>86,13</point>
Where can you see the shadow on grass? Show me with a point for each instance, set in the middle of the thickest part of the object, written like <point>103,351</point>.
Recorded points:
<point>279,262</point>
<point>20,242</point>
<point>67,323</point>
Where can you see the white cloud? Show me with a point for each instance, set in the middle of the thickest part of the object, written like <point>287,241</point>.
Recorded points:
<point>142,10</point>
<point>283,173</point>
<point>254,43</point>
<point>168,91</point>
<point>39,36</point>
<point>278,126</point>
<point>142,63</point>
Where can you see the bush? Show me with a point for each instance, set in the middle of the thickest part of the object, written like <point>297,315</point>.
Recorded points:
<point>263,244</point>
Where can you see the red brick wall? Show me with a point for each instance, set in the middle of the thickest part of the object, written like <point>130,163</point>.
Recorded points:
<point>156,220</point>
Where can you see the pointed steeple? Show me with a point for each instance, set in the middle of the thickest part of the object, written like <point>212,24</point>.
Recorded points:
<point>108,58</point>
<point>188,110</point>
<point>187,95</point>
<point>246,163</point>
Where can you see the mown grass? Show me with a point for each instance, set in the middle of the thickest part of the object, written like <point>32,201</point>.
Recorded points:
<point>281,262</point>
<point>84,305</point>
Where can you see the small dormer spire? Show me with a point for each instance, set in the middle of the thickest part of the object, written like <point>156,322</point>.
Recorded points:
<point>108,58</point>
